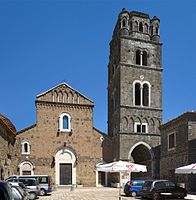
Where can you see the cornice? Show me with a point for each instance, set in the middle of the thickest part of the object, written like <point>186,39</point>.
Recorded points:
<point>60,104</point>
<point>140,67</point>
<point>142,108</point>
<point>140,40</point>
<point>140,134</point>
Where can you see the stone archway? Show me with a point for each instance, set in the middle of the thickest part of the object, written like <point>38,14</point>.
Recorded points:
<point>65,167</point>
<point>141,153</point>
<point>26,168</point>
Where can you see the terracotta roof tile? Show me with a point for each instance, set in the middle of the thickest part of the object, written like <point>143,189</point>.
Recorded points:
<point>8,123</point>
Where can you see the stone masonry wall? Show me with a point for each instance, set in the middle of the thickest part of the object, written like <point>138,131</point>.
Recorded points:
<point>45,140</point>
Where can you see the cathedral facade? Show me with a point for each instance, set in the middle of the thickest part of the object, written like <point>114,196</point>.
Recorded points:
<point>63,143</point>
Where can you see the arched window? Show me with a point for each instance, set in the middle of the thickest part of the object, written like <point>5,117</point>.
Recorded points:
<point>137,94</point>
<point>65,122</point>
<point>25,147</point>
<point>140,27</point>
<point>141,58</point>
<point>146,28</point>
<point>135,26</point>
<point>141,93</point>
<point>123,23</point>
<point>157,30</point>
<point>151,30</point>
<point>131,25</point>
<point>144,58</point>
<point>138,61</point>
<point>145,95</point>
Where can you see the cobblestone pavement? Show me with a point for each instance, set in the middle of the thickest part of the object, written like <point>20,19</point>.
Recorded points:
<point>85,194</point>
<point>91,194</point>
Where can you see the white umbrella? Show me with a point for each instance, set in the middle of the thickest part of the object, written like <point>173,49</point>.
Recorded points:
<point>188,169</point>
<point>120,166</point>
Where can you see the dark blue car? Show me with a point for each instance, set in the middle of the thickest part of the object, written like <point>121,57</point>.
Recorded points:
<point>133,187</point>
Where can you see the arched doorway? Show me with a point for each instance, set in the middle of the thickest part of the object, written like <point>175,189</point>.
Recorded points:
<point>141,153</point>
<point>26,168</point>
<point>65,167</point>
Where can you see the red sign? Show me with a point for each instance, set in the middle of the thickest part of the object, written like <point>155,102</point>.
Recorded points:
<point>129,166</point>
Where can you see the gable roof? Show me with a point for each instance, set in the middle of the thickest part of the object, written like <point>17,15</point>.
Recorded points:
<point>186,115</point>
<point>66,85</point>
<point>26,129</point>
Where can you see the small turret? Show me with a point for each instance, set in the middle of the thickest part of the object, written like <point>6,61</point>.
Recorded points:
<point>155,29</point>
<point>124,22</point>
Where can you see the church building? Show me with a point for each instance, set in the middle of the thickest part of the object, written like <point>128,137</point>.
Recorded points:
<point>63,143</point>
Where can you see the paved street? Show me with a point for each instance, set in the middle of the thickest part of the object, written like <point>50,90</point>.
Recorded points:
<point>85,194</point>
<point>91,194</point>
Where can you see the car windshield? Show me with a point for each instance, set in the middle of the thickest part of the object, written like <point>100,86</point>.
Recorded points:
<point>169,184</point>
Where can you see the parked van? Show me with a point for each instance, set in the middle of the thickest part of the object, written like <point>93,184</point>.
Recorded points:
<point>44,182</point>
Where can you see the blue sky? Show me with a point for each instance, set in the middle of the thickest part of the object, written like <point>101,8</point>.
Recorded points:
<point>43,43</point>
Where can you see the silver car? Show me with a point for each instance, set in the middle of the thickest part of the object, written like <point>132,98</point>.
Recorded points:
<point>19,193</point>
<point>31,184</point>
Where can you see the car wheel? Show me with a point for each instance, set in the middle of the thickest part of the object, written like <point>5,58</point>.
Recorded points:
<point>32,195</point>
<point>42,192</point>
<point>156,196</point>
<point>133,194</point>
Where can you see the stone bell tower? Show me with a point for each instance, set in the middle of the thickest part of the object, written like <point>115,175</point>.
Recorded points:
<point>135,89</point>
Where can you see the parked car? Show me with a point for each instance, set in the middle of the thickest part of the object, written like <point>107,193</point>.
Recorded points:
<point>133,187</point>
<point>22,186</point>
<point>19,193</point>
<point>5,191</point>
<point>31,183</point>
<point>157,189</point>
<point>45,185</point>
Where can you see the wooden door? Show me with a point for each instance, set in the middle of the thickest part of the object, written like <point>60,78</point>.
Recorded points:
<point>65,174</point>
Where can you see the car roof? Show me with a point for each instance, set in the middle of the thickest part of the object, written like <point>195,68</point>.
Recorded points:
<point>137,180</point>
<point>156,180</point>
